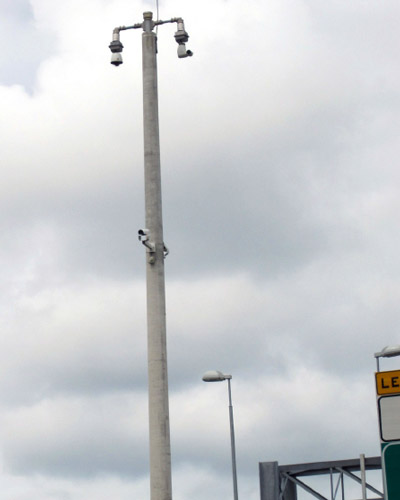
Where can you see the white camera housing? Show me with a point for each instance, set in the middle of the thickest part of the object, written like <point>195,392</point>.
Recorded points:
<point>143,234</point>
<point>182,52</point>
<point>116,58</point>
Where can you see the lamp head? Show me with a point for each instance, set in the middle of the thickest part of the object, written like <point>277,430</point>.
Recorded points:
<point>215,376</point>
<point>388,352</point>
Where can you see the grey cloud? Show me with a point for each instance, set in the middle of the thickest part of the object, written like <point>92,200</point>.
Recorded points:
<point>62,344</point>
<point>24,46</point>
<point>16,9</point>
<point>77,438</point>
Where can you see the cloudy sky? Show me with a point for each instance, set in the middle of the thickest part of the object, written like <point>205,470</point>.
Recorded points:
<point>281,186</point>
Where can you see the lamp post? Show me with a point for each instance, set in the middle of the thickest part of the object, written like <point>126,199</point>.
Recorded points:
<point>388,402</point>
<point>152,239</point>
<point>217,376</point>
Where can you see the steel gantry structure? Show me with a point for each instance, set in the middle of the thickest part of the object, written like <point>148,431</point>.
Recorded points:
<point>281,482</point>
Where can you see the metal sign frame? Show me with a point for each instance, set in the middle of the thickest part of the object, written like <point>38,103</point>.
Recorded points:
<point>384,420</point>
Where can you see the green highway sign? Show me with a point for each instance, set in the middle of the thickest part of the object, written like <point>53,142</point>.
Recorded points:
<point>391,468</point>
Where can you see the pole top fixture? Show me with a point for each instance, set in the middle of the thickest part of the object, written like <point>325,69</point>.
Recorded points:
<point>181,36</point>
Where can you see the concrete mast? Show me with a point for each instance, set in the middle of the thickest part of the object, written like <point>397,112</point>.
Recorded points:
<point>160,448</point>
<point>153,240</point>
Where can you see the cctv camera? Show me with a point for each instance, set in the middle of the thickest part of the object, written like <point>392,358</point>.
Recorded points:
<point>116,59</point>
<point>182,52</point>
<point>116,48</point>
<point>143,234</point>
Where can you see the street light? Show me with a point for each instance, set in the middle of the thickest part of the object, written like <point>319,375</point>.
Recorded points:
<point>216,376</point>
<point>156,251</point>
<point>387,352</point>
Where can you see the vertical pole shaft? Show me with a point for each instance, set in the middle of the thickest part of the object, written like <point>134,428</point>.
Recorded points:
<point>342,484</point>
<point>363,477</point>
<point>160,450</point>
<point>233,448</point>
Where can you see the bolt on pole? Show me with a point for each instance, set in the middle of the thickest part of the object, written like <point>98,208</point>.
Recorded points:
<point>152,238</point>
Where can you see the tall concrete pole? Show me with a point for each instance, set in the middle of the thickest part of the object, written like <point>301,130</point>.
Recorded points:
<point>152,238</point>
<point>160,448</point>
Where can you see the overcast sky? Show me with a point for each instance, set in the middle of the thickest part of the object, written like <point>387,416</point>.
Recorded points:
<point>280,166</point>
